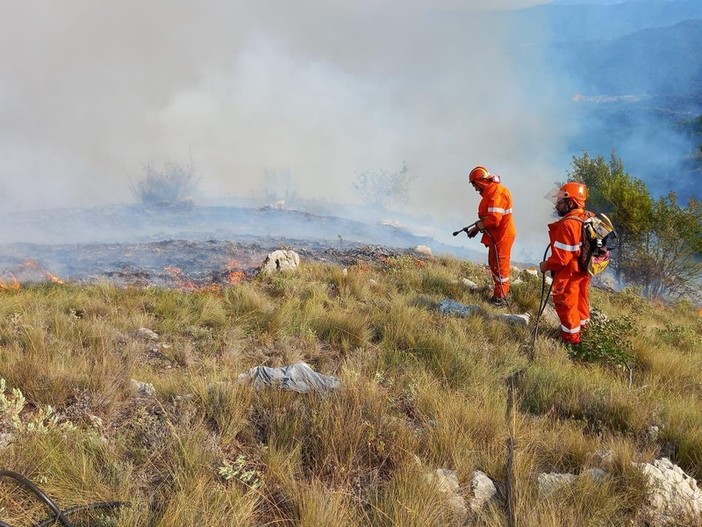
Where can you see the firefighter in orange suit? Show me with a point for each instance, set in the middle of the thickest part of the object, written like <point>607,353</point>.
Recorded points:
<point>571,286</point>
<point>496,224</point>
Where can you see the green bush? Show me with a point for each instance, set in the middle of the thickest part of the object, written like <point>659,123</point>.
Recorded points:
<point>606,341</point>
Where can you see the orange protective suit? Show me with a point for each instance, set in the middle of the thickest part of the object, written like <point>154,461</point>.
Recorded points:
<point>495,211</point>
<point>571,286</point>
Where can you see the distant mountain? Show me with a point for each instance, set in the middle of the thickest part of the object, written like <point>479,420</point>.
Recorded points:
<point>655,61</point>
<point>628,76</point>
<point>634,71</point>
<point>571,22</point>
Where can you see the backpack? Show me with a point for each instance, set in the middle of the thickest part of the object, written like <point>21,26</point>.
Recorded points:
<point>597,234</point>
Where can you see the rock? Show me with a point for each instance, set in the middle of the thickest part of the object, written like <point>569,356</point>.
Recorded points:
<point>674,496</point>
<point>451,307</point>
<point>516,320</point>
<point>537,274</point>
<point>144,389</point>
<point>146,334</point>
<point>446,482</point>
<point>552,482</point>
<point>470,284</point>
<point>281,260</point>
<point>484,491</point>
<point>595,474</point>
<point>423,249</point>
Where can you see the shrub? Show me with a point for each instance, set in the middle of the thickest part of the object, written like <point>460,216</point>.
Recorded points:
<point>173,184</point>
<point>606,341</point>
<point>382,188</point>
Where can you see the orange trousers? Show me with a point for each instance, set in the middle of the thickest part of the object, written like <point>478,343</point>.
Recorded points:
<point>499,261</point>
<point>571,298</point>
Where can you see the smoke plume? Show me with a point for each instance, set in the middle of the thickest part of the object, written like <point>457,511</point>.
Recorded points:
<point>91,92</point>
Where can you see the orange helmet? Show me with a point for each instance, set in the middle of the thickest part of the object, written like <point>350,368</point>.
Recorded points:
<point>479,176</point>
<point>575,191</point>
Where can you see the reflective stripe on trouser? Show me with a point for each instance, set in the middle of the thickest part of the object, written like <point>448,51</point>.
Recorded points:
<point>500,274</point>
<point>570,297</point>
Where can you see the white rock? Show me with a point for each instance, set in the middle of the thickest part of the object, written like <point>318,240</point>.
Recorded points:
<point>674,496</point>
<point>446,482</point>
<point>516,320</point>
<point>423,249</point>
<point>144,389</point>
<point>552,482</point>
<point>147,334</point>
<point>484,491</point>
<point>470,284</point>
<point>280,261</point>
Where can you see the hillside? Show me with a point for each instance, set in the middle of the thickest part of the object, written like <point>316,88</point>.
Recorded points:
<point>151,405</point>
<point>584,20</point>
<point>660,61</point>
<point>633,71</point>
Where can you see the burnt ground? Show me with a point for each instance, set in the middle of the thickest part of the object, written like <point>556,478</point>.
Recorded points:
<point>169,263</point>
<point>183,247</point>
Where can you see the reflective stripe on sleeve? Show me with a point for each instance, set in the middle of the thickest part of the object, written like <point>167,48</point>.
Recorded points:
<point>500,210</point>
<point>584,322</point>
<point>566,247</point>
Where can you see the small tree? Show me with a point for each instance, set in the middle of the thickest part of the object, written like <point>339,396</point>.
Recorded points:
<point>668,259</point>
<point>383,188</point>
<point>173,184</point>
<point>660,242</point>
<point>623,198</point>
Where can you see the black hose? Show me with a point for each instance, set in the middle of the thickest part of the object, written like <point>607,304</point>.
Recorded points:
<point>80,508</point>
<point>59,516</point>
<point>542,306</point>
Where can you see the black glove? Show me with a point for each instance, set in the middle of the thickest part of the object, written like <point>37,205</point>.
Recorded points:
<point>473,232</point>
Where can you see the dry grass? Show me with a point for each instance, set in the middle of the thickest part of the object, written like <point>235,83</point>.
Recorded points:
<point>420,391</point>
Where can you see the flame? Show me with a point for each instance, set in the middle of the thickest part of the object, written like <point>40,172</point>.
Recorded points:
<point>53,278</point>
<point>235,274</point>
<point>236,277</point>
<point>177,274</point>
<point>12,285</point>
<point>28,271</point>
<point>184,284</point>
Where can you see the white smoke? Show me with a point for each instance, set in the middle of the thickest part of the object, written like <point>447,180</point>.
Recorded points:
<point>91,92</point>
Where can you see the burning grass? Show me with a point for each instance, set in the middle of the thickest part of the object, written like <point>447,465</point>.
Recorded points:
<point>188,444</point>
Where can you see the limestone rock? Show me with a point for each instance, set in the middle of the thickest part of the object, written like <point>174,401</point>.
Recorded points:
<point>423,249</point>
<point>484,491</point>
<point>281,260</point>
<point>674,496</point>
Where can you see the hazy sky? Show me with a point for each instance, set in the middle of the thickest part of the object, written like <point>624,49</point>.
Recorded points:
<point>90,92</point>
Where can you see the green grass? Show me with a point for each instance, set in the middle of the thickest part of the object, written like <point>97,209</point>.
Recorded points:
<point>419,391</point>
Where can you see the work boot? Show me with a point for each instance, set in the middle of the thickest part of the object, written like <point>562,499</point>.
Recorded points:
<point>498,301</point>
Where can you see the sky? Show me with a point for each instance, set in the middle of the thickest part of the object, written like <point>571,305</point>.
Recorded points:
<point>92,92</point>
